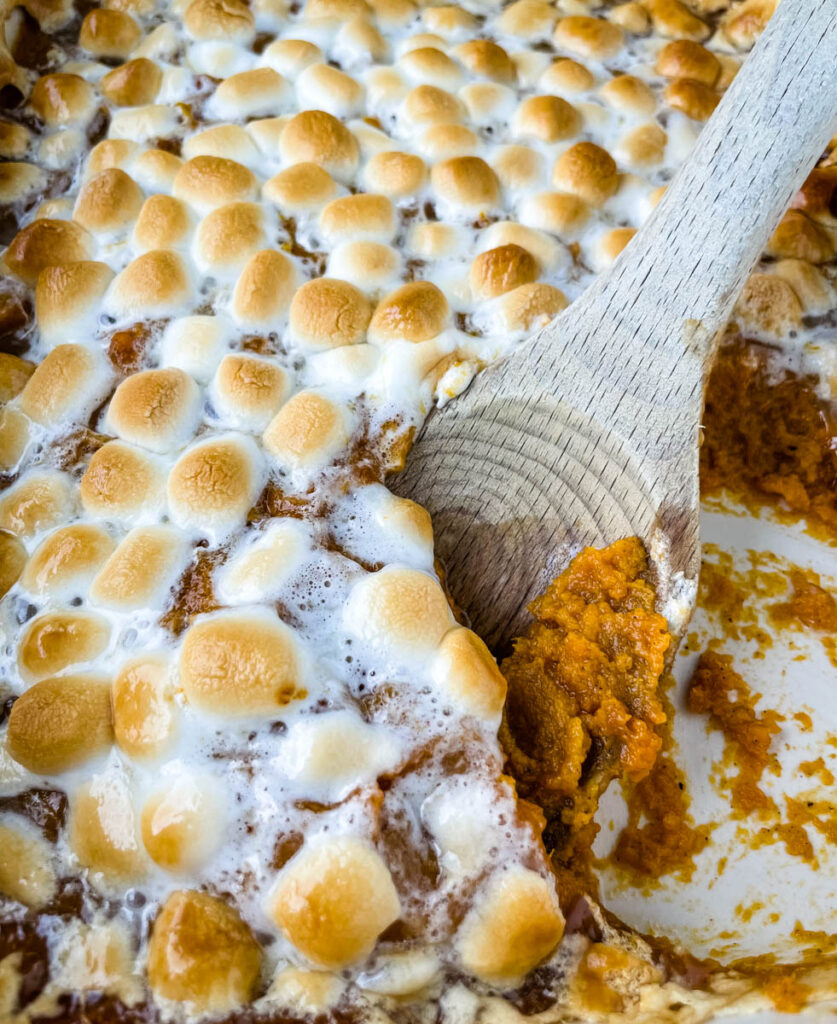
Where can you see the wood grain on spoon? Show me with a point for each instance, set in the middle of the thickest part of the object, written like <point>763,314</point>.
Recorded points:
<point>588,432</point>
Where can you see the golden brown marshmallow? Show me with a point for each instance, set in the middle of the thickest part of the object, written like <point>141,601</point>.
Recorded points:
<point>548,118</point>
<point>12,561</point>
<point>248,390</point>
<point>643,146</point>
<point>316,137</point>
<point>238,663</point>
<point>513,925</point>
<point>567,75</point>
<point>63,99</point>
<point>331,89</point>
<point>629,94</point>
<point>414,312</point>
<point>307,431</point>
<point>156,409</point>
<point>395,174</point>
<point>486,59</point>
<point>37,502</point>
<point>227,237</point>
<point>156,169</point>
<point>67,386</point>
<point>103,830</point>
<point>531,306</point>
<point>684,58</point>
<point>219,19</point>
<point>108,202</point>
<point>674,20</point>
<point>527,19</point>
<point>327,312</point>
<point>163,223</point>
<point>55,640</point>
<point>588,37</point>
<point>443,141</point>
<point>264,289</point>
<point>26,873</point>
<point>180,826</point>
<point>402,611</point>
<point>632,17</point>
<point>133,84</point>
<point>249,94</point>
<point>143,711</point>
<point>587,171</point>
<point>214,483</point>
<point>368,265</point>
<point>66,561</point>
<point>497,271</point>
<point>225,141</point>
<point>111,153</point>
<point>45,243</point>
<point>290,56</point>
<point>809,283</point>
<point>768,305</point>
<point>108,33</point>
<point>425,65</point>
<point>58,724</point>
<point>201,953</point>
<point>448,20</point>
<point>154,284</point>
<point>363,217</point>
<point>142,569</point>
<point>67,298</point>
<point>333,900</point>
<point>207,182</point>
<point>799,237</point>
<point>427,104</point>
<point>303,188</point>
<point>465,670</point>
<point>467,182</point>
<point>504,232</point>
<point>19,180</point>
<point>611,244</point>
<point>518,167</point>
<point>695,99</point>
<point>120,482</point>
<point>15,434</point>
<point>745,22</point>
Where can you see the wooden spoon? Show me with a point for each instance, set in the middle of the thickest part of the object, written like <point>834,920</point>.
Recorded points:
<point>589,431</point>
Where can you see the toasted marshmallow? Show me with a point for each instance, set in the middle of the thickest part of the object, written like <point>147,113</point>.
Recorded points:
<point>428,105</point>
<point>63,99</point>
<point>425,65</point>
<point>434,240</point>
<point>768,305</point>
<point>259,570</point>
<point>26,872</point>
<point>264,289</point>
<point>303,188</point>
<point>368,265</point>
<point>414,312</point>
<point>109,33</point>
<point>513,925</point>
<point>364,217</point>
<point>695,99</point>
<point>38,501</point>
<point>545,250</point>
<point>466,183</point>
<point>156,169</point>
<point>486,59</point>
<point>518,168</point>
<point>333,900</point>
<point>156,409</point>
<point>15,435</point>
<point>67,386</point>
<point>395,174</point>
<point>142,570</point>
<point>327,312</point>
<point>214,483</point>
<point>208,182</point>
<point>330,90</point>
<point>68,297</point>
<point>630,95</point>
<point>402,612</point>
<point>531,20</point>
<point>45,243</point>
<point>59,724</point>
<point>444,141</point>
<point>201,952</point>
<point>181,826</point>
<point>307,431</point>
<point>220,19</point>
<point>588,37</point>
<point>558,212</point>
<point>465,671</point>
<point>587,171</point>
<point>18,181</point>
<point>12,561</point>
<point>631,16</point>
<point>499,270</point>
<point>55,640</point>
<point>548,118</point>
<point>248,390</point>
<point>291,56</point>
<point>237,663</point>
<point>249,94</point>
<point>227,237</point>
<point>487,103</point>
<point>195,344</point>
<point>566,76</point>
<point>122,483</point>
<point>449,22</point>
<point>143,711</point>
<point>317,137</point>
<point>14,139</point>
<point>156,283</point>
<point>163,223</point>
<point>643,146</point>
<point>103,830</point>
<point>65,562</point>
<point>674,20</point>
<point>133,84</point>
<point>224,142</point>
<point>531,306</point>
<point>799,237</point>
<point>265,132</point>
<point>610,244</point>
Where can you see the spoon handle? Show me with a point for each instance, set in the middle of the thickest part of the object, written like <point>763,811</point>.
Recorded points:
<point>674,286</point>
